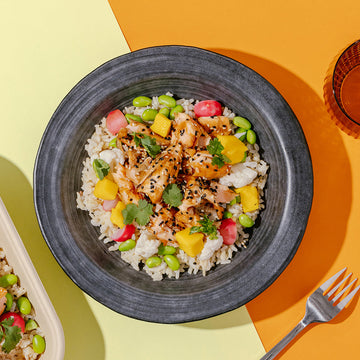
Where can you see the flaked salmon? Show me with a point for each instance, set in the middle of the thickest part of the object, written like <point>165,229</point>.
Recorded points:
<point>163,170</point>
<point>216,125</point>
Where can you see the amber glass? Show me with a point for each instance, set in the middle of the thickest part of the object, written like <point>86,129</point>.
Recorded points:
<point>342,90</point>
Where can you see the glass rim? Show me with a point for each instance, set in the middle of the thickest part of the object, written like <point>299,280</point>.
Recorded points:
<point>332,82</point>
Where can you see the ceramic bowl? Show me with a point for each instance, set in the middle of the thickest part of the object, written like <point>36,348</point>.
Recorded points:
<point>187,72</point>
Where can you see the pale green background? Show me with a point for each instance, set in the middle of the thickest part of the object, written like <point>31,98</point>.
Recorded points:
<point>47,47</point>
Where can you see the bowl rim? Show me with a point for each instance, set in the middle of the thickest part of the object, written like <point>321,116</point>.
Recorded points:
<point>40,208</point>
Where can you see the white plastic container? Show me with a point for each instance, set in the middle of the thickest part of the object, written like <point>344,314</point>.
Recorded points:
<point>18,258</point>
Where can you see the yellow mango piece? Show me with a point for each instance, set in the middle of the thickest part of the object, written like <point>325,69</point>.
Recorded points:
<point>116,216</point>
<point>234,148</point>
<point>192,244</point>
<point>249,198</point>
<point>161,125</point>
<point>106,189</point>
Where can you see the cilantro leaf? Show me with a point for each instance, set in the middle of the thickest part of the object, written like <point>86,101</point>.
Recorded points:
<point>144,212</point>
<point>129,213</point>
<point>207,227</point>
<point>12,334</point>
<point>140,213</point>
<point>101,168</point>
<point>215,148</point>
<point>137,140</point>
<point>172,195</point>
<point>216,160</point>
<point>148,142</point>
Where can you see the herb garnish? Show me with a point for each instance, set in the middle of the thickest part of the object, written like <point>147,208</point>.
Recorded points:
<point>215,148</point>
<point>207,227</point>
<point>113,143</point>
<point>12,334</point>
<point>148,142</point>
<point>140,213</point>
<point>101,168</point>
<point>172,195</point>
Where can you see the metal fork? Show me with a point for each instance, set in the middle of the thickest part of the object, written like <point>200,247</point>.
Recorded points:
<point>319,308</point>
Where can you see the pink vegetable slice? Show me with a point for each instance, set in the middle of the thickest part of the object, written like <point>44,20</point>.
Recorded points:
<point>124,234</point>
<point>109,204</point>
<point>228,231</point>
<point>115,121</point>
<point>207,108</point>
<point>18,320</point>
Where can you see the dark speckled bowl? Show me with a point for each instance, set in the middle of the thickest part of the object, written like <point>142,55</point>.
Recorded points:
<point>189,73</point>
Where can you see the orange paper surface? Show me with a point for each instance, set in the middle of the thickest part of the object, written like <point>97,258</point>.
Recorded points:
<point>291,44</point>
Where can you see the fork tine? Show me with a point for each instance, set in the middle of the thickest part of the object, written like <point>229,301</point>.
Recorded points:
<point>332,291</point>
<point>345,301</point>
<point>337,297</point>
<point>327,283</point>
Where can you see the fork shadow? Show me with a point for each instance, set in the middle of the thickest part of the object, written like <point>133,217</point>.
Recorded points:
<point>324,235</point>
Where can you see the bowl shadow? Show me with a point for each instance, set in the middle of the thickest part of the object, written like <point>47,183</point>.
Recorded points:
<point>325,234</point>
<point>17,194</point>
<point>326,229</point>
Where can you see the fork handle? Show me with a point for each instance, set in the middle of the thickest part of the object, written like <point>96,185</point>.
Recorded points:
<point>271,354</point>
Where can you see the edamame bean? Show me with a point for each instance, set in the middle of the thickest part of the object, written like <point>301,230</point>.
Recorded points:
<point>237,199</point>
<point>149,114</point>
<point>24,305</point>
<point>167,101</point>
<point>166,250</point>
<point>38,344</point>
<point>251,137</point>
<point>141,101</point>
<point>153,261</point>
<point>113,143</point>
<point>133,117</point>
<point>227,215</point>
<point>165,111</point>
<point>245,156</point>
<point>241,122</point>
<point>172,262</point>
<point>246,221</point>
<point>9,301</point>
<point>8,280</point>
<point>176,109</point>
<point>31,324</point>
<point>241,131</point>
<point>127,245</point>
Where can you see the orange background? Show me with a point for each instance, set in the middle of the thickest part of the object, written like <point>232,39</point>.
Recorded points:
<point>291,44</point>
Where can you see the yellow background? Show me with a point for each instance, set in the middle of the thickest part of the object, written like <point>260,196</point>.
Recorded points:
<point>47,47</point>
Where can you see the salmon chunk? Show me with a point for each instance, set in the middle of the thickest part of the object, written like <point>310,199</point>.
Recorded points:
<point>188,132</point>
<point>163,170</point>
<point>127,192</point>
<point>216,125</point>
<point>199,164</point>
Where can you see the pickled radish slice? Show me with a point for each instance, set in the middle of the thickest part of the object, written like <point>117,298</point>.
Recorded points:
<point>207,108</point>
<point>124,234</point>
<point>115,121</point>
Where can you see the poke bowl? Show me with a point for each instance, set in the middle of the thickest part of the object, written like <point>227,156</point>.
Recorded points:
<point>116,173</point>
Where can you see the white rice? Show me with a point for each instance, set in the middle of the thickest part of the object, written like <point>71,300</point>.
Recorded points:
<point>214,252</point>
<point>23,349</point>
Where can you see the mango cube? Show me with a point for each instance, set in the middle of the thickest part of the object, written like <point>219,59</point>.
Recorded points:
<point>234,148</point>
<point>249,198</point>
<point>161,125</point>
<point>192,244</point>
<point>106,189</point>
<point>116,216</point>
